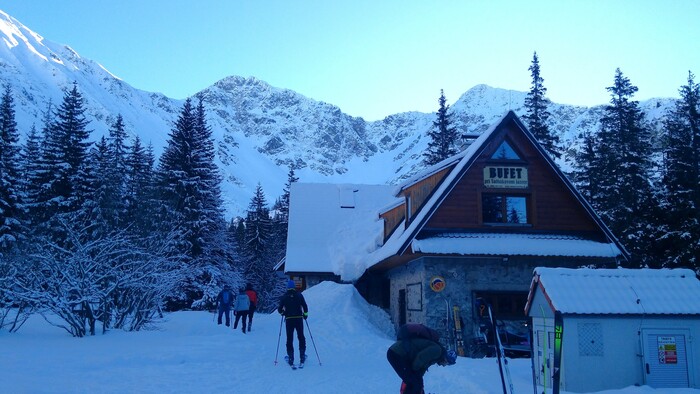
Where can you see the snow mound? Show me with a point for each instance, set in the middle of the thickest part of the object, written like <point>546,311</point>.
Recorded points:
<point>353,314</point>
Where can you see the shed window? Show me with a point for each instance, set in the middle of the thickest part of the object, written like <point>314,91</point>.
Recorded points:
<point>590,339</point>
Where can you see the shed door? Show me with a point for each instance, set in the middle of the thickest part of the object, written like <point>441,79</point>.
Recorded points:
<point>665,358</point>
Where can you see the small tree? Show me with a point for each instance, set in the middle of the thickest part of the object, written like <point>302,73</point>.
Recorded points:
<point>443,136</point>
<point>537,115</point>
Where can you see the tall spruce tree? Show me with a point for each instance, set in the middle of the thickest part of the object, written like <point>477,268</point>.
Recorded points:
<point>38,172</point>
<point>624,168</point>
<point>11,228</point>
<point>258,251</point>
<point>537,116</point>
<point>209,176</point>
<point>140,196</point>
<point>443,136</point>
<point>63,159</point>
<point>177,181</point>
<point>681,181</point>
<point>189,185</point>
<point>116,175</point>
<point>280,222</point>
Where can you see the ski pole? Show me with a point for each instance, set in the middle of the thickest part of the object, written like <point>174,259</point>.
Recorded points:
<point>312,341</point>
<point>278,340</point>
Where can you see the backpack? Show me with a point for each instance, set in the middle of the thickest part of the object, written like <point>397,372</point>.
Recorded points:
<point>416,330</point>
<point>226,297</point>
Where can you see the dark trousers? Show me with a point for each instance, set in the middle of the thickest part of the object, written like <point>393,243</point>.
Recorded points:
<point>295,323</point>
<point>240,315</point>
<point>251,311</point>
<point>402,366</point>
<point>227,311</point>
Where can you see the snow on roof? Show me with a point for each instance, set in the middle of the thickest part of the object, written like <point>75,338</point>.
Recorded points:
<point>332,227</point>
<point>515,244</point>
<point>620,291</point>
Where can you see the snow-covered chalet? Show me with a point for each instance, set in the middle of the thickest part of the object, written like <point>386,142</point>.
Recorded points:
<point>475,225</point>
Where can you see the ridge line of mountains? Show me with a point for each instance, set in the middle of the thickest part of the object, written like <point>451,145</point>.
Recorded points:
<point>260,130</point>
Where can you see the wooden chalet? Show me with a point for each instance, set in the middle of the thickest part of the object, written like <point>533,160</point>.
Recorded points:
<point>473,226</point>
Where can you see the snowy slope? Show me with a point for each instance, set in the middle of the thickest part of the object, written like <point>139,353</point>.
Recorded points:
<point>188,353</point>
<point>259,130</point>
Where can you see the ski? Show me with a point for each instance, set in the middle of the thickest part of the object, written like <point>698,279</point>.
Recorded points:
<point>458,331</point>
<point>502,360</point>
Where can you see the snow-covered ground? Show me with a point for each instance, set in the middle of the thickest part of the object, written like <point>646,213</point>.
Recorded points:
<point>189,353</point>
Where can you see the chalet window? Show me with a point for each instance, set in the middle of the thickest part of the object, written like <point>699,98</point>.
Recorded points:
<point>505,152</point>
<point>504,209</point>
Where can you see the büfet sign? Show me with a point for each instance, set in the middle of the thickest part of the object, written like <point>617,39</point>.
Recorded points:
<point>505,177</point>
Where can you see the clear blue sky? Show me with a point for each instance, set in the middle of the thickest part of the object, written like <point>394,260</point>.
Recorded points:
<point>373,58</point>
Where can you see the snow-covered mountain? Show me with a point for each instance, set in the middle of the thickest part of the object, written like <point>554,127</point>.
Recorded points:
<point>260,130</point>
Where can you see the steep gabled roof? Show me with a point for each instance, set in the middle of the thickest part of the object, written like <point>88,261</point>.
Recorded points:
<point>400,241</point>
<point>617,291</point>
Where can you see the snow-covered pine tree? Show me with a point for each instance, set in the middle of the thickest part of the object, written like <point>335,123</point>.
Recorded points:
<point>681,181</point>
<point>624,168</point>
<point>117,172</point>
<point>29,164</point>
<point>209,178</point>
<point>280,222</point>
<point>62,173</point>
<point>37,167</point>
<point>71,126</point>
<point>443,136</point>
<point>140,196</point>
<point>583,173</point>
<point>189,185</point>
<point>537,116</point>
<point>259,254</point>
<point>11,227</point>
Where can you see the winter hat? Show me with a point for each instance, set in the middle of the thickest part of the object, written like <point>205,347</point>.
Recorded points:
<point>450,357</point>
<point>291,284</point>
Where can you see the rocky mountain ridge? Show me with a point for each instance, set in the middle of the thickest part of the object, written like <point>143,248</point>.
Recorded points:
<point>261,130</point>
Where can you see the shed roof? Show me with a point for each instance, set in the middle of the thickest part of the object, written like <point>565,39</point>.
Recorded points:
<point>618,291</point>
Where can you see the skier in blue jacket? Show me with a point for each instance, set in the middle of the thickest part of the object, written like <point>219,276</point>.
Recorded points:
<point>223,302</point>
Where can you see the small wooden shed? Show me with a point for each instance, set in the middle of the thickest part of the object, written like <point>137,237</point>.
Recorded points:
<point>603,329</point>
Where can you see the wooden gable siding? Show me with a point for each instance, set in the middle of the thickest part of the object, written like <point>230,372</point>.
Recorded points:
<point>551,206</point>
<point>419,192</point>
<point>392,219</point>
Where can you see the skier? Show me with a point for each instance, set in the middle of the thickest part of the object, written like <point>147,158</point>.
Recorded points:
<point>253,295</point>
<point>293,307</point>
<point>411,358</point>
<point>240,309</point>
<point>223,302</point>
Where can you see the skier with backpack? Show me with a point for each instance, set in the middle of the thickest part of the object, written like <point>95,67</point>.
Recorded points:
<point>294,309</point>
<point>417,348</point>
<point>253,295</point>
<point>240,309</point>
<point>223,303</point>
